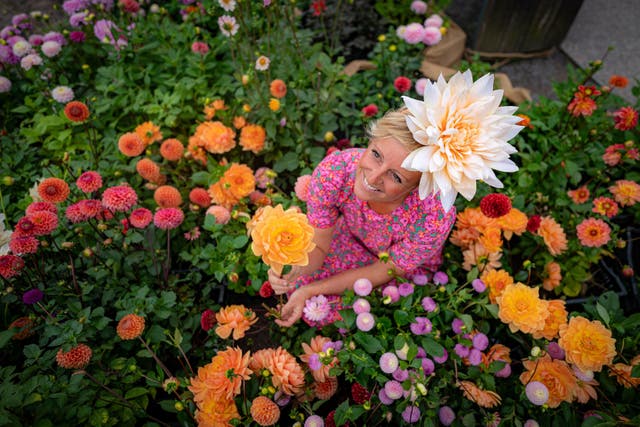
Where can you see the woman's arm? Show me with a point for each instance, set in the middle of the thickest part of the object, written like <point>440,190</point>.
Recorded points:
<point>377,273</point>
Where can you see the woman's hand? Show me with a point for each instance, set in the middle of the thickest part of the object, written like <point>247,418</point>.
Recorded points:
<point>291,312</point>
<point>283,284</point>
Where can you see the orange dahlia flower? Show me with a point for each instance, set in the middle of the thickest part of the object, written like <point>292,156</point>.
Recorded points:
<point>626,192</point>
<point>200,197</point>
<point>214,137</point>
<point>288,375</point>
<point>264,411</point>
<point>496,281</point>
<point>239,180</point>
<point>234,318</point>
<point>148,169</point>
<point>315,347</point>
<point>553,275</point>
<point>579,195</point>
<point>514,222</point>
<point>622,372</point>
<point>491,239</point>
<point>222,378</point>
<point>617,80</point>
<point>278,88</point>
<point>557,317</point>
<point>553,235</point>
<point>474,218</point>
<point>587,344</point>
<point>479,256</point>
<point>483,398</point>
<point>167,196</point>
<point>261,359</point>
<point>555,375</point>
<point>325,390</point>
<point>497,352</point>
<point>77,357</point>
<point>148,132</point>
<point>239,122</point>
<point>216,412</point>
<point>130,327</point>
<point>252,138</point>
<point>464,237</point>
<point>172,149</point>
<point>593,232</point>
<point>196,152</point>
<point>220,195</point>
<point>76,111</point>
<point>585,390</point>
<point>130,144</point>
<point>520,307</point>
<point>282,237</point>
<point>53,190</point>
<point>605,206</point>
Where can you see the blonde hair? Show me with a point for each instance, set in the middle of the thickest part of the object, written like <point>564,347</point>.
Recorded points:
<point>394,124</point>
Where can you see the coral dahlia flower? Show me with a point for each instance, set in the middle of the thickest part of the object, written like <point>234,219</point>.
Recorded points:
<point>119,198</point>
<point>264,411</point>
<point>140,217</point>
<point>130,326</point>
<point>222,378</point>
<point>593,232</point>
<point>555,375</point>
<point>53,190</point>
<point>76,111</point>
<point>278,88</point>
<point>172,149</point>
<point>252,138</point>
<point>626,118</point>
<point>10,266</point>
<point>605,206</point>
<point>167,196</point>
<point>587,344</point>
<point>288,375</point>
<point>483,398</point>
<point>553,235</point>
<point>131,144</point>
<point>464,132</point>
<point>77,357</point>
<point>89,182</point>
<point>579,195</point>
<point>168,218</point>
<point>234,318</point>
<point>148,132</point>
<point>626,192</point>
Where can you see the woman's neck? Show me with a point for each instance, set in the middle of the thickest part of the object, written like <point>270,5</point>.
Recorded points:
<point>382,207</point>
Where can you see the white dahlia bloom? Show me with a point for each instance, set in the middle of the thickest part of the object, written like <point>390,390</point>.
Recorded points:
<point>464,132</point>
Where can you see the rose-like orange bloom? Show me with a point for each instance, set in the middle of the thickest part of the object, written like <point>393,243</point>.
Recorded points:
<point>196,152</point>
<point>172,149</point>
<point>76,111</point>
<point>474,218</point>
<point>587,344</point>
<point>483,398</point>
<point>216,412</point>
<point>491,239</point>
<point>200,197</point>
<point>261,359</point>
<point>315,347</point>
<point>220,195</point>
<point>234,318</point>
<point>479,256</point>
<point>618,81</point>
<point>593,232</point>
<point>252,138</point>
<point>222,378</point>
<point>130,144</point>
<point>553,235</point>
<point>148,169</point>
<point>553,275</point>
<point>282,238</point>
<point>148,132</point>
<point>585,390</point>
<point>557,317</point>
<point>239,122</point>
<point>259,198</point>
<point>53,190</point>
<point>521,308</point>
<point>579,195</point>
<point>496,281</point>
<point>626,192</point>
<point>288,375</point>
<point>464,237</point>
<point>130,326</point>
<point>264,411</point>
<point>214,137</point>
<point>514,222</point>
<point>497,352</point>
<point>255,219</point>
<point>77,357</point>
<point>240,180</point>
<point>167,196</point>
<point>24,325</point>
<point>278,88</point>
<point>555,375</point>
<point>622,372</point>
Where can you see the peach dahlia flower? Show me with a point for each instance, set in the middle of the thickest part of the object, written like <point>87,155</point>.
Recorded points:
<point>587,344</point>
<point>520,307</point>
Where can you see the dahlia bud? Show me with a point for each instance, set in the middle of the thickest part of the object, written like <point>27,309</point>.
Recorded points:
<point>87,252</point>
<point>621,244</point>
<point>535,351</point>
<point>102,226</point>
<point>627,271</point>
<point>179,406</point>
<point>245,79</point>
<point>421,389</point>
<point>628,144</point>
<point>107,242</point>
<point>367,405</point>
<point>329,136</point>
<point>117,173</point>
<point>8,180</point>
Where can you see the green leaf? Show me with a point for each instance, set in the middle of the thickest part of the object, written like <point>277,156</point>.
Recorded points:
<point>401,317</point>
<point>432,348</point>
<point>602,312</point>
<point>368,342</point>
<point>5,337</point>
<point>135,392</point>
<point>287,162</point>
<point>31,351</point>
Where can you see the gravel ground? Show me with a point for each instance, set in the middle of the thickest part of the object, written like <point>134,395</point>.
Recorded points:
<point>8,8</point>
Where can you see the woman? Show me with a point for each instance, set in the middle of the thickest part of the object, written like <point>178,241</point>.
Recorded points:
<point>363,203</point>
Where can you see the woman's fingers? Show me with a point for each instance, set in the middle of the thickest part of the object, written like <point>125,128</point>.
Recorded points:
<point>279,285</point>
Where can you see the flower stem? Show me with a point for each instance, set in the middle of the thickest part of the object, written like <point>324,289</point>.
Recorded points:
<point>155,357</point>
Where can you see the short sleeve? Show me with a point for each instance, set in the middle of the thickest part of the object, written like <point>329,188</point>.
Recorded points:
<point>422,245</point>
<point>329,187</point>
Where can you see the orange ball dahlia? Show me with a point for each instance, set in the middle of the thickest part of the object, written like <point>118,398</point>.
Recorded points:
<point>278,88</point>
<point>148,132</point>
<point>214,137</point>
<point>200,197</point>
<point>53,190</point>
<point>172,149</point>
<point>130,326</point>
<point>130,144</point>
<point>587,344</point>
<point>76,358</point>
<point>76,111</point>
<point>167,196</point>
<point>264,411</point>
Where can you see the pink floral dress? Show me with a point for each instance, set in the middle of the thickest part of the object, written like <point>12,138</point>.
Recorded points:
<point>413,234</point>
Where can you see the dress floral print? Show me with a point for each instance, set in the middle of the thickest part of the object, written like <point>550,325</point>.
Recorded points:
<point>413,234</point>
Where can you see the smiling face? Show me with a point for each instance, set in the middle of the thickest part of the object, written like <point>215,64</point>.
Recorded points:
<point>380,180</point>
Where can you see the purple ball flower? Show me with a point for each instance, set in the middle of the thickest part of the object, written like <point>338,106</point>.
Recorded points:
<point>393,389</point>
<point>531,423</point>
<point>365,321</point>
<point>411,414</point>
<point>420,279</point>
<point>388,363</point>
<point>77,36</point>
<point>32,296</point>
<point>390,294</point>
<point>446,415</point>
<point>480,341</point>
<point>478,286</point>
<point>362,287</point>
<point>457,325</point>
<point>314,421</point>
<point>382,395</point>
<point>555,351</point>
<point>361,305</point>
<point>428,366</point>
<point>440,278</point>
<point>504,372</point>
<point>400,374</point>
<point>314,362</point>
<point>475,357</point>
<point>537,393</point>
<point>421,353</point>
<point>442,358</point>
<point>281,398</point>
<point>421,326</point>
<point>461,350</point>
<point>429,304</point>
<point>405,289</point>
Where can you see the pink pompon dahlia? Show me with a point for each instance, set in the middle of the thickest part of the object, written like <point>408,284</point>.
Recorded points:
<point>89,181</point>
<point>120,198</point>
<point>168,218</point>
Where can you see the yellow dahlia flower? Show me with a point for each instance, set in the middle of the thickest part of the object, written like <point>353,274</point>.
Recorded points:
<point>521,308</point>
<point>587,344</point>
